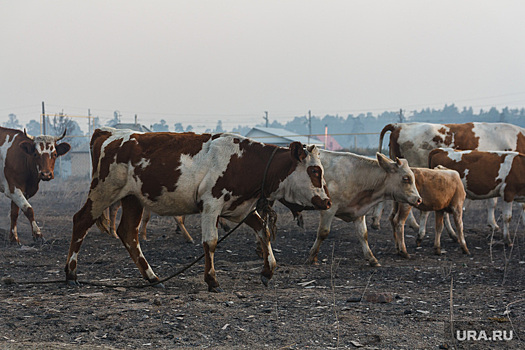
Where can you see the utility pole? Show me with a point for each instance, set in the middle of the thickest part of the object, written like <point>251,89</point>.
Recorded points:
<point>89,122</point>
<point>401,117</point>
<point>309,125</point>
<point>266,117</point>
<point>43,119</point>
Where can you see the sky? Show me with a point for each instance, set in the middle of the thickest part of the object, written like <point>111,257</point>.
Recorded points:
<point>196,62</point>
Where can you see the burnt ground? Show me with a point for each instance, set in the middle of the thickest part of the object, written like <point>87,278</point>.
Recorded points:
<point>340,303</point>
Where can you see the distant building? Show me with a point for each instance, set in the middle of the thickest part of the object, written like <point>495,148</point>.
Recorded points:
<point>132,126</point>
<point>280,137</point>
<point>330,143</point>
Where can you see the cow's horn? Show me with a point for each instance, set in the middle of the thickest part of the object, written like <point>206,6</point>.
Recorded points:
<point>63,135</point>
<point>28,136</point>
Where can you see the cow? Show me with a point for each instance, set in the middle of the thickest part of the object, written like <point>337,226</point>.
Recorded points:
<point>357,183</point>
<point>25,161</point>
<point>414,141</point>
<point>487,175</point>
<point>441,191</point>
<point>221,175</point>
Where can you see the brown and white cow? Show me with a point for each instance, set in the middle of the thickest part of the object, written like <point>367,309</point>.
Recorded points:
<point>357,183</point>
<point>414,141</point>
<point>186,173</point>
<point>24,161</point>
<point>487,175</point>
<point>441,191</point>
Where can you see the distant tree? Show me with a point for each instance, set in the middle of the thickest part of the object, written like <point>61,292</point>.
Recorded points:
<point>59,123</point>
<point>178,127</point>
<point>33,128</point>
<point>162,126</point>
<point>189,128</point>
<point>219,128</point>
<point>241,129</point>
<point>12,122</point>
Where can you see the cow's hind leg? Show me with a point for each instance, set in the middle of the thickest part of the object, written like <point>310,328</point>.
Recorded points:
<point>263,237</point>
<point>491,207</point>
<point>180,225</point>
<point>362,234</point>
<point>422,227</point>
<point>129,235</point>
<point>376,215</point>
<point>439,230</point>
<point>458,221</point>
<point>143,229</point>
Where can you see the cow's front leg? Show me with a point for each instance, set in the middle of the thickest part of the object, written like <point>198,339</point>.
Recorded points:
<point>128,232</point>
<point>398,225</point>
<point>362,234</point>
<point>19,200</point>
<point>507,216</point>
<point>13,235</point>
<point>325,222</point>
<point>263,237</point>
<point>209,243</point>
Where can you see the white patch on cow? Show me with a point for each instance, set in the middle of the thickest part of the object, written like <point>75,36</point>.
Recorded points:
<point>144,163</point>
<point>455,155</point>
<point>4,186</point>
<point>35,227</point>
<point>73,257</point>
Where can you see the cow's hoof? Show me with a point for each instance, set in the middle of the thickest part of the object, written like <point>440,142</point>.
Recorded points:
<point>159,285</point>
<point>265,280</point>
<point>215,289</point>
<point>39,240</point>
<point>404,255</point>
<point>73,283</point>
<point>375,264</point>
<point>418,242</point>
<point>466,251</point>
<point>375,226</point>
<point>437,251</point>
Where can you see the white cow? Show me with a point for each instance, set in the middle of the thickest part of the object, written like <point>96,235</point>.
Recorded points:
<point>357,183</point>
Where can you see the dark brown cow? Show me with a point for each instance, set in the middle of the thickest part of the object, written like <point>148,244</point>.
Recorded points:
<point>487,175</point>
<point>185,173</point>
<point>441,191</point>
<point>24,161</point>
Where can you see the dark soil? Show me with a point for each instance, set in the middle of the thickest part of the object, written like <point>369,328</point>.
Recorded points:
<point>340,303</point>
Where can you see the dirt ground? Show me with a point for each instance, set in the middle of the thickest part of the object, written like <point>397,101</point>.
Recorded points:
<point>340,303</point>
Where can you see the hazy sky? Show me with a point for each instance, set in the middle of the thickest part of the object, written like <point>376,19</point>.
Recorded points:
<point>197,61</point>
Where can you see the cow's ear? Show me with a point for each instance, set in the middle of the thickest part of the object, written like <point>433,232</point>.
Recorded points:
<point>297,151</point>
<point>63,148</point>
<point>388,165</point>
<point>28,147</point>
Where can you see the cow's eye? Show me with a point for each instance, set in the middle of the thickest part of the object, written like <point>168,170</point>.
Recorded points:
<point>406,179</point>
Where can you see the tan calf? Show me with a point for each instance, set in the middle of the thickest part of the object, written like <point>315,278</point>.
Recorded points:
<point>441,191</point>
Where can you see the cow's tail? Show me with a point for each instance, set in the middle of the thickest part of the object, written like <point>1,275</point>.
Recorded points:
<point>387,128</point>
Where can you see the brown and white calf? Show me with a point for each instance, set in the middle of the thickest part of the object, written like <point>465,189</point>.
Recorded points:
<point>414,141</point>
<point>184,173</point>
<point>487,175</point>
<point>24,161</point>
<point>357,183</point>
<point>441,191</point>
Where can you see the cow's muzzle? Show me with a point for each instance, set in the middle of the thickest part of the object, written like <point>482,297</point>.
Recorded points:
<point>46,176</point>
<point>417,202</point>
<point>321,204</point>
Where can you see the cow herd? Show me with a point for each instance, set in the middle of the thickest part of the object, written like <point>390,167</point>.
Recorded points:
<point>224,176</point>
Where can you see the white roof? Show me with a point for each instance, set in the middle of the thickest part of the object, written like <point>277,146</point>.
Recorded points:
<point>279,136</point>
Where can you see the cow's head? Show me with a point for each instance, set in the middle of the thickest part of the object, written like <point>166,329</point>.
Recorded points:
<point>44,150</point>
<point>305,187</point>
<point>400,182</point>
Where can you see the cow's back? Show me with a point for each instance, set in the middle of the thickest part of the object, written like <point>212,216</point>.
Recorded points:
<point>414,141</point>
